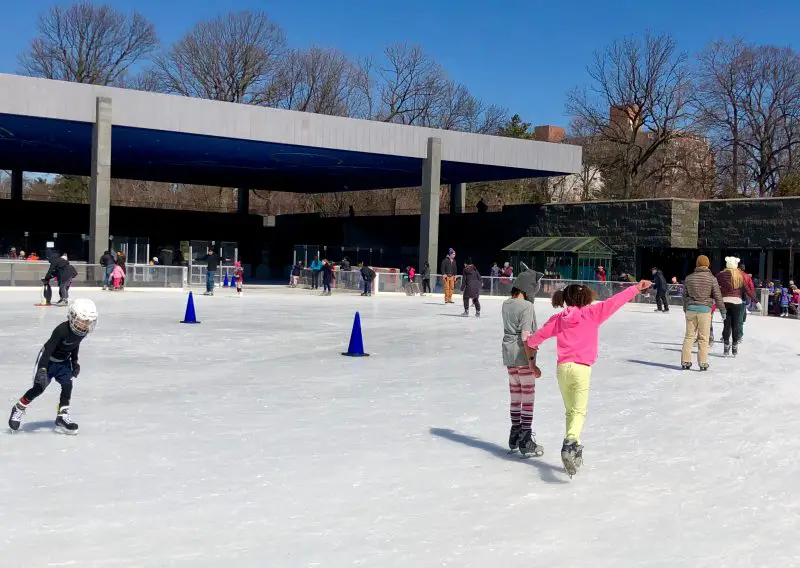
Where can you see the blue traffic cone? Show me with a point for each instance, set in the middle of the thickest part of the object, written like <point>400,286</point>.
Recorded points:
<point>190,316</point>
<point>225,283</point>
<point>356,347</point>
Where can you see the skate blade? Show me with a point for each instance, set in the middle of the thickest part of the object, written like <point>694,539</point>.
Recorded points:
<point>539,452</point>
<point>65,431</point>
<point>569,465</point>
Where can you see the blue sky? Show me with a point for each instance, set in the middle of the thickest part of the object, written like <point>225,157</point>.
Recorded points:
<point>524,55</point>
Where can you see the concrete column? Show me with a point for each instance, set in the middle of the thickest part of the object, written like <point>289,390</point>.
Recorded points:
<point>716,260</point>
<point>762,265</point>
<point>429,218</point>
<point>100,186</point>
<point>243,201</point>
<point>16,185</point>
<point>458,197</point>
<point>770,260</point>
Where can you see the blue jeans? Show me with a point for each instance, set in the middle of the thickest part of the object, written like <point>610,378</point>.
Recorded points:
<point>109,270</point>
<point>210,275</point>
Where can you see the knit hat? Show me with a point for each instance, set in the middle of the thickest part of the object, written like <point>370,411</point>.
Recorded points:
<point>702,260</point>
<point>450,251</point>
<point>731,262</point>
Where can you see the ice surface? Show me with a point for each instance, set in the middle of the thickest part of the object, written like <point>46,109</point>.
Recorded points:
<point>249,441</point>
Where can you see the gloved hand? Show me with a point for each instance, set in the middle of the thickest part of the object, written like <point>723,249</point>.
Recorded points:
<point>41,377</point>
<point>76,370</point>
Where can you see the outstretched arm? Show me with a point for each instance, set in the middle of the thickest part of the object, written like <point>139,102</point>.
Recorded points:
<point>601,311</point>
<point>547,331</point>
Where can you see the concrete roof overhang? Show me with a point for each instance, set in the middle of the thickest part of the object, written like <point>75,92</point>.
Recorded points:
<point>46,126</point>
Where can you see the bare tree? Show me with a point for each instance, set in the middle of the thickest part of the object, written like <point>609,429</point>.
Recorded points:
<point>410,84</point>
<point>85,43</point>
<point>322,81</point>
<point>637,104</point>
<point>232,58</point>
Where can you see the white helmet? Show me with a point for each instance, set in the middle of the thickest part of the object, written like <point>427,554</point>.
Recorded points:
<point>82,316</point>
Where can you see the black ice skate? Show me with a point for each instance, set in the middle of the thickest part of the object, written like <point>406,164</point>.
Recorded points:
<point>686,366</point>
<point>513,439</point>
<point>735,349</point>
<point>528,446</point>
<point>727,350</point>
<point>17,414</point>
<point>64,422</point>
<point>477,314</point>
<point>465,314</point>
<point>571,456</point>
<point>704,366</point>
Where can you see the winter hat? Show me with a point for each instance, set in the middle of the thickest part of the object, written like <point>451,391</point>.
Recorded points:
<point>450,252</point>
<point>702,260</point>
<point>731,262</point>
<point>468,260</point>
<point>529,282</point>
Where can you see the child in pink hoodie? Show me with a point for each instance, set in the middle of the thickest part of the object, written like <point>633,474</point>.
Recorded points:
<point>117,276</point>
<point>576,331</point>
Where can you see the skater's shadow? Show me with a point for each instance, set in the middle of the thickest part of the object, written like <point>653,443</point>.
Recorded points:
<point>451,315</point>
<point>710,354</point>
<point>546,471</point>
<point>36,426</point>
<point>655,364</point>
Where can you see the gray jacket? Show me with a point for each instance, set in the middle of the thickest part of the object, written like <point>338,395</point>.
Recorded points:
<point>518,317</point>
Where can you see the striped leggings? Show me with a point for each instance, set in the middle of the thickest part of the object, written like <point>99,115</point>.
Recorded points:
<point>522,387</point>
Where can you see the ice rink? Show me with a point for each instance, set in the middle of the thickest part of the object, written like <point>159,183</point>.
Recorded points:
<point>249,441</point>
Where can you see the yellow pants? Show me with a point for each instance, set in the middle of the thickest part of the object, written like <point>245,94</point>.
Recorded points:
<point>449,286</point>
<point>574,380</point>
<point>698,326</point>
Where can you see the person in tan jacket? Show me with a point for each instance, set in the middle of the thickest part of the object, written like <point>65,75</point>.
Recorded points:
<point>701,292</point>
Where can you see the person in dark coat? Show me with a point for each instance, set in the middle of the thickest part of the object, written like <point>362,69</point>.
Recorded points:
<point>471,285</point>
<point>107,262</point>
<point>660,286</point>
<point>64,272</point>
<point>426,278</point>
<point>327,277</point>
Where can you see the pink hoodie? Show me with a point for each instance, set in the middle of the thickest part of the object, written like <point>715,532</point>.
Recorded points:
<point>576,329</point>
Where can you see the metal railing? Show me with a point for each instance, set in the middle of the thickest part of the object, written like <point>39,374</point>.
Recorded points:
<point>30,273</point>
<point>198,272</point>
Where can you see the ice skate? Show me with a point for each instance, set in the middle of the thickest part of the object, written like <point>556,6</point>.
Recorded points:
<point>465,314</point>
<point>64,423</point>
<point>727,350</point>
<point>17,414</point>
<point>513,439</point>
<point>571,456</point>
<point>704,366</point>
<point>735,349</point>
<point>477,314</point>
<point>686,366</point>
<point>528,446</point>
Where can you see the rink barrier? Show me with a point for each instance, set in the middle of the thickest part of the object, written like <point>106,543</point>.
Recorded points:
<point>30,273</point>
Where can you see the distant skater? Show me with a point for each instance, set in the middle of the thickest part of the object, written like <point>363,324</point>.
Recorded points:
<point>471,285</point>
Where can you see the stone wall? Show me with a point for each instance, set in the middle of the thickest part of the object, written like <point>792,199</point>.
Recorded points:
<point>685,223</point>
<point>749,223</point>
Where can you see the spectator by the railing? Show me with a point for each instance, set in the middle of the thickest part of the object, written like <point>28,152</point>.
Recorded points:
<point>626,277</point>
<point>63,272</point>
<point>426,278</point>
<point>345,265</point>
<point>471,285</point>
<point>21,255</point>
<point>108,263</point>
<point>316,269</point>
<point>660,286</point>
<point>701,293</point>
<point>785,301</point>
<point>368,275</point>
<point>12,254</point>
<point>449,269</point>
<point>601,274</point>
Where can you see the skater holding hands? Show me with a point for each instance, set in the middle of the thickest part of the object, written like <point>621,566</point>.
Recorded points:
<point>576,331</point>
<point>58,360</point>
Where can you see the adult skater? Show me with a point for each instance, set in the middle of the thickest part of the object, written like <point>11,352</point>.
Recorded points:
<point>660,286</point>
<point>212,265</point>
<point>64,272</point>
<point>519,322</point>
<point>701,292</point>
<point>327,277</point>
<point>367,275</point>
<point>471,285</point>
<point>108,263</point>
<point>576,332</point>
<point>58,360</point>
<point>426,278</point>
<point>449,268</point>
<point>734,293</point>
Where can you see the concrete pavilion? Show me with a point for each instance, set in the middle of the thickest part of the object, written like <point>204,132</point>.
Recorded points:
<point>69,128</point>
